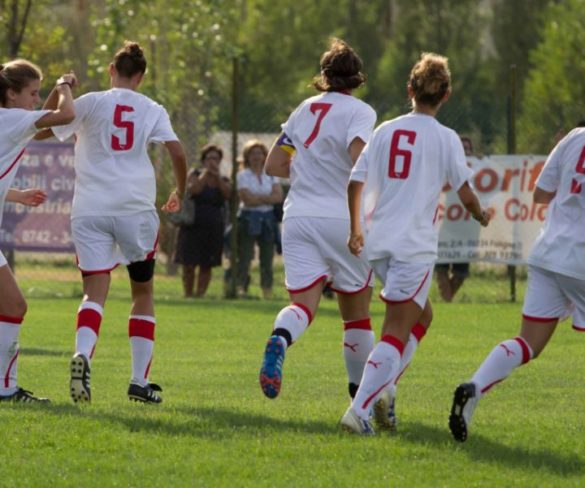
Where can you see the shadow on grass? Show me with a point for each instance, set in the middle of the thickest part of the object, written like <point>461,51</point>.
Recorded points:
<point>32,351</point>
<point>482,449</point>
<point>204,422</point>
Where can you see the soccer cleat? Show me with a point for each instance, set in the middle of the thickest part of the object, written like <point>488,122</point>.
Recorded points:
<point>464,402</point>
<point>271,371</point>
<point>23,396</point>
<point>353,423</point>
<point>144,394</point>
<point>384,414</point>
<point>79,388</point>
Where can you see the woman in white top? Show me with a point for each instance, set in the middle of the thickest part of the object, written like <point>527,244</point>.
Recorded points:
<point>20,82</point>
<point>556,277</point>
<point>403,169</point>
<point>320,143</point>
<point>258,194</point>
<point>113,216</point>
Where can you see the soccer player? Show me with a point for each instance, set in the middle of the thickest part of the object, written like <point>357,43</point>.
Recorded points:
<point>320,143</point>
<point>556,277</point>
<point>20,82</point>
<point>113,216</point>
<point>400,174</point>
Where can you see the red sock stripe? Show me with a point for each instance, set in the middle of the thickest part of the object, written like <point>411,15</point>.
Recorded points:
<point>418,331</point>
<point>10,365</point>
<point>491,385</point>
<point>525,349</point>
<point>304,309</point>
<point>147,371</point>
<point>11,320</point>
<point>362,324</point>
<point>88,317</point>
<point>393,341</point>
<point>141,328</point>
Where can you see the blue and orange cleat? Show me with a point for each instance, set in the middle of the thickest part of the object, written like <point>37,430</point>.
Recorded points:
<point>271,370</point>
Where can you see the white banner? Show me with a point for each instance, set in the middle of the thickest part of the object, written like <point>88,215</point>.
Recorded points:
<point>504,185</point>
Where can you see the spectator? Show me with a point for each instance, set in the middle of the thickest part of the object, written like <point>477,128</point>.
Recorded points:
<point>258,194</point>
<point>199,246</point>
<point>450,276</point>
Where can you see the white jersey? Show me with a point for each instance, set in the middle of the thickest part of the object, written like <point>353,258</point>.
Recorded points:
<point>321,129</point>
<point>113,173</point>
<point>405,165</point>
<point>560,247</point>
<point>17,128</point>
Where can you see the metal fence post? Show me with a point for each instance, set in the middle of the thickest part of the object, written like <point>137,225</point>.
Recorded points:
<point>512,150</point>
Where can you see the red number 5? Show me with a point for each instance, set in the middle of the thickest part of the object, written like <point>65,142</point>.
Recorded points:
<point>406,154</point>
<point>118,145</point>
<point>322,108</point>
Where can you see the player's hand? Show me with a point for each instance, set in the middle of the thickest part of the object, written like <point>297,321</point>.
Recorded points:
<point>32,197</point>
<point>484,219</point>
<point>173,204</point>
<point>68,79</point>
<point>356,243</point>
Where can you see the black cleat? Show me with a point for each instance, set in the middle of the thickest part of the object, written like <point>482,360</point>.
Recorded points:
<point>23,396</point>
<point>144,394</point>
<point>464,401</point>
<point>79,388</point>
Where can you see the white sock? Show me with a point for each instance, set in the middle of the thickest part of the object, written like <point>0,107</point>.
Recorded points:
<point>9,332</point>
<point>499,363</point>
<point>291,322</point>
<point>416,335</point>
<point>89,319</point>
<point>379,372</point>
<point>141,333</point>
<point>358,342</point>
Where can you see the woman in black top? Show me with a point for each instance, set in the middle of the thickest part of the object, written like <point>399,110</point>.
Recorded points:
<point>200,245</point>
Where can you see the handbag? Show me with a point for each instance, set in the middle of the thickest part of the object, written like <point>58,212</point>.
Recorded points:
<point>185,216</point>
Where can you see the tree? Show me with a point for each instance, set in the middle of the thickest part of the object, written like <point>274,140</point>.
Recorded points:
<point>554,91</point>
<point>14,14</point>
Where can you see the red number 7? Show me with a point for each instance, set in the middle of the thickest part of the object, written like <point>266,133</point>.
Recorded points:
<point>576,186</point>
<point>322,108</point>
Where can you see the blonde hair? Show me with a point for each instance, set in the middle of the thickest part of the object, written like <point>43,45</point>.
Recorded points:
<point>17,74</point>
<point>430,79</point>
<point>251,144</point>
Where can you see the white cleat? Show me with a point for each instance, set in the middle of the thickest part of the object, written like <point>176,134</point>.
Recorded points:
<point>352,422</point>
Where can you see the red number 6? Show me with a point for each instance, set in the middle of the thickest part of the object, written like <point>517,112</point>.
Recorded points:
<point>406,154</point>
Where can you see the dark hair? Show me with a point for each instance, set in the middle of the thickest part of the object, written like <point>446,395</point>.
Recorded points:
<point>130,60</point>
<point>340,68</point>
<point>251,144</point>
<point>211,148</point>
<point>430,79</point>
<point>17,74</point>
<point>581,123</point>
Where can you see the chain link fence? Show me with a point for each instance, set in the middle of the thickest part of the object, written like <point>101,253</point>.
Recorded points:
<point>50,274</point>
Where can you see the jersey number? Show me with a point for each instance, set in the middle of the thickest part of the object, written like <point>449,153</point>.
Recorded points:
<point>576,187</point>
<point>405,154</point>
<point>117,144</point>
<point>322,108</point>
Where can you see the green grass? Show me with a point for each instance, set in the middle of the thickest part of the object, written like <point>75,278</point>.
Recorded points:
<point>215,428</point>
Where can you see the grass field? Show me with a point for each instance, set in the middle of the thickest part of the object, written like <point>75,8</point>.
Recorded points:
<point>215,428</point>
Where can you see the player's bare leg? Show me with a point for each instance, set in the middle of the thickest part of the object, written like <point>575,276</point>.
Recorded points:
<point>497,366</point>
<point>289,325</point>
<point>12,311</point>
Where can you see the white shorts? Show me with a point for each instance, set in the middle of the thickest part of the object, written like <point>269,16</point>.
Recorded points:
<point>102,243</point>
<point>315,249</point>
<point>402,281</point>
<point>3,261</point>
<point>552,296</point>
